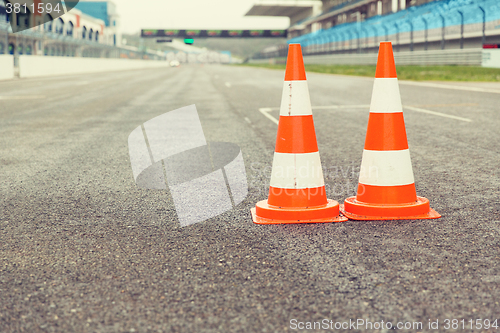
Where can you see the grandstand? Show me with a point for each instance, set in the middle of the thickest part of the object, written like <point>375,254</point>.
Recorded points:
<point>357,26</point>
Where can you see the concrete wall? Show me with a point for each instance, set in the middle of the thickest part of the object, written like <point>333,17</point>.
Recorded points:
<point>491,58</point>
<point>6,67</point>
<point>36,66</point>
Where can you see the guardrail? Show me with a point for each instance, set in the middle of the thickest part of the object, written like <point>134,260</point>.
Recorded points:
<point>470,57</point>
<point>6,67</point>
<point>36,42</point>
<point>30,66</point>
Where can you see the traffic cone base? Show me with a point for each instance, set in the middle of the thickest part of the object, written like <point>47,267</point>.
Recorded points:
<point>263,213</point>
<point>417,210</point>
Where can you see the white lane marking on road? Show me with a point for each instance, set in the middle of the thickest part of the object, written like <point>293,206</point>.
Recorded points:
<point>265,111</point>
<point>248,120</point>
<point>449,86</point>
<point>443,105</point>
<point>436,113</point>
<point>23,97</point>
<point>327,107</point>
<point>228,84</point>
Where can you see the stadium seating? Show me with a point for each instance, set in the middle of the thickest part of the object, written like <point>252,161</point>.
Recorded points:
<point>419,18</point>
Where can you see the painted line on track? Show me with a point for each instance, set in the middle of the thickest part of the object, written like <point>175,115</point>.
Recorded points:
<point>450,86</point>
<point>265,111</point>
<point>437,113</point>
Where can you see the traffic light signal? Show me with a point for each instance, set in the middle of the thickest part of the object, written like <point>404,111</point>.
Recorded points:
<point>188,41</point>
<point>168,40</point>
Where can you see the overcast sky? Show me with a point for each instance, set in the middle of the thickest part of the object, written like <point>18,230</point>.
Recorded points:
<point>192,14</point>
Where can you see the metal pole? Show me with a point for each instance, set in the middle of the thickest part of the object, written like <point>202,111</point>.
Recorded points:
<point>6,41</point>
<point>375,37</point>
<point>442,32</point>
<point>483,38</point>
<point>397,36</point>
<point>366,38</point>
<point>358,46</point>
<point>461,29</point>
<point>358,30</point>
<point>426,33</point>
<point>16,53</point>
<point>411,35</point>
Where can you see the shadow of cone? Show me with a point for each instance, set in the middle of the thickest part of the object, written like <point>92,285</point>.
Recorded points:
<point>297,192</point>
<point>386,189</point>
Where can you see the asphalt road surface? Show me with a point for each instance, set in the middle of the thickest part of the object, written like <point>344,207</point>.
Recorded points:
<point>82,249</point>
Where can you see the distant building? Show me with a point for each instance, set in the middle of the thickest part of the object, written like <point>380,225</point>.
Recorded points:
<point>91,22</point>
<point>105,11</point>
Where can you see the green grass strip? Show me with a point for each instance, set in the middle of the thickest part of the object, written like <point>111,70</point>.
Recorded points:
<point>415,73</point>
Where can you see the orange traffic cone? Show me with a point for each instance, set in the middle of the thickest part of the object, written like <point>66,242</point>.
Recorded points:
<point>386,189</point>
<point>297,192</point>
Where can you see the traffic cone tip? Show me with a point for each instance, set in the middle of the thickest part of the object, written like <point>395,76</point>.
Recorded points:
<point>386,68</point>
<point>295,70</point>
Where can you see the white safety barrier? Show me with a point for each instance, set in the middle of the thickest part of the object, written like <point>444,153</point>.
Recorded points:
<point>6,67</point>
<point>491,58</point>
<point>36,66</point>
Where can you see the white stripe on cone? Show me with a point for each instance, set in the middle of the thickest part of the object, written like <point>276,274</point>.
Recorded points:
<point>297,171</point>
<point>386,168</point>
<point>295,99</point>
<point>385,96</point>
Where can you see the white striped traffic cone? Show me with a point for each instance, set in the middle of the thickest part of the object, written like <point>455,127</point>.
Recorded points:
<point>297,192</point>
<point>386,189</point>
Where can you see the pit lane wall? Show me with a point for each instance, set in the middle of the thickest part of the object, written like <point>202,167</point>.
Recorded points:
<point>34,66</point>
<point>6,67</point>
